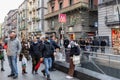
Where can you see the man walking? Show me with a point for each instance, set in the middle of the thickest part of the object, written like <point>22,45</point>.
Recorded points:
<point>47,53</point>
<point>55,45</point>
<point>14,48</point>
<point>36,53</point>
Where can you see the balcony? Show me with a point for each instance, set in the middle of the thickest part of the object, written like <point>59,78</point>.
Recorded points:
<point>35,19</point>
<point>22,28</point>
<point>106,1</point>
<point>112,20</point>
<point>67,9</point>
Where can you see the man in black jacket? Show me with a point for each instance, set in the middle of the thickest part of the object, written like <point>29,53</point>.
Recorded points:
<point>103,44</point>
<point>55,45</point>
<point>36,53</point>
<point>48,52</point>
<point>95,45</point>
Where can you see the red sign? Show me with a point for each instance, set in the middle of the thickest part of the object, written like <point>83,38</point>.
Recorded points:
<point>62,18</point>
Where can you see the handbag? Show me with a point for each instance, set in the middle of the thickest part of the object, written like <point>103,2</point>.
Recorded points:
<point>76,59</point>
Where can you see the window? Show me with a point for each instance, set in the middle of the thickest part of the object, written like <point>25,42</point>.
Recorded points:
<point>70,2</point>
<point>52,8</point>
<point>30,3</point>
<point>91,3</point>
<point>60,5</point>
<point>52,24</point>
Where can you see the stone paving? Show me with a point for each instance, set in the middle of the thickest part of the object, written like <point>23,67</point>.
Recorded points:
<point>56,75</point>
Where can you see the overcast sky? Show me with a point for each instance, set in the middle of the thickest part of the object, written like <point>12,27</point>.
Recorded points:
<point>6,5</point>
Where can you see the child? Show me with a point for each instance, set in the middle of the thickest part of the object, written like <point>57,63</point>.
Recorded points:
<point>24,64</point>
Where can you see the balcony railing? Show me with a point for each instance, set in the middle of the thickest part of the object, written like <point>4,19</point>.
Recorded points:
<point>106,1</point>
<point>112,20</point>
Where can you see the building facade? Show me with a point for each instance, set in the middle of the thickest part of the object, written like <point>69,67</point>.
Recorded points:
<point>32,15</point>
<point>42,10</point>
<point>4,27</point>
<point>81,17</point>
<point>37,10</point>
<point>109,21</point>
<point>12,19</point>
<point>23,19</point>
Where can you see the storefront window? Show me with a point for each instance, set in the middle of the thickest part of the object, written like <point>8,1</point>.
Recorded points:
<point>115,37</point>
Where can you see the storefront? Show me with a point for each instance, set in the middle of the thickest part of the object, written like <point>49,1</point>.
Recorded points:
<point>116,40</point>
<point>115,37</point>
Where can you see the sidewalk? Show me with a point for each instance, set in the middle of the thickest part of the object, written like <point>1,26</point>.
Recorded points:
<point>56,75</point>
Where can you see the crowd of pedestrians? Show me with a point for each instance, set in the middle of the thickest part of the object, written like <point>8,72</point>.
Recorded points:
<point>90,44</point>
<point>39,50</point>
<point>42,50</point>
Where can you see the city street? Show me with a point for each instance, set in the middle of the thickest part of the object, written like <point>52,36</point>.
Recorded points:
<point>63,29</point>
<point>56,75</point>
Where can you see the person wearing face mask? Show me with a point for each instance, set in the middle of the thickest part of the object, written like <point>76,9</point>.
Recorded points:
<point>36,54</point>
<point>48,51</point>
<point>13,50</point>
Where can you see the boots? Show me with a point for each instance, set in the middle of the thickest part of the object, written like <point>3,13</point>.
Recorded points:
<point>43,72</point>
<point>48,77</point>
<point>2,69</point>
<point>24,71</point>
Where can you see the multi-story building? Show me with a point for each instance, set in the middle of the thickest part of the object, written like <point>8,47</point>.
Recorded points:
<point>12,19</point>
<point>37,10</point>
<point>4,27</point>
<point>23,19</point>
<point>32,15</point>
<point>109,21</point>
<point>81,17</point>
<point>42,10</point>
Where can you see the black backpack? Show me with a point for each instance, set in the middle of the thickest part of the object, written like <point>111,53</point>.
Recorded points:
<point>75,50</point>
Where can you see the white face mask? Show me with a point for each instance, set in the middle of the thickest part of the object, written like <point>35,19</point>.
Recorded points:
<point>35,42</point>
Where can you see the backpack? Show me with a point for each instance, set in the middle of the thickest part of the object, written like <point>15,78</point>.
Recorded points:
<point>75,50</point>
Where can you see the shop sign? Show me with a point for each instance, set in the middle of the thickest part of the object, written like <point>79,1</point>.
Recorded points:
<point>62,18</point>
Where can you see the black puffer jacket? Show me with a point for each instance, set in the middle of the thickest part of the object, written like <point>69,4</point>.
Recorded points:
<point>48,50</point>
<point>36,49</point>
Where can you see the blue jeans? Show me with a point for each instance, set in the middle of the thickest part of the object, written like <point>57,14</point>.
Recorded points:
<point>13,64</point>
<point>48,65</point>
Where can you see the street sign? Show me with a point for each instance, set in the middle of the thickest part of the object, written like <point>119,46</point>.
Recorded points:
<point>62,18</point>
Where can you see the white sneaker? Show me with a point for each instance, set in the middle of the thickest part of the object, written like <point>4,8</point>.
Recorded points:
<point>69,77</point>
